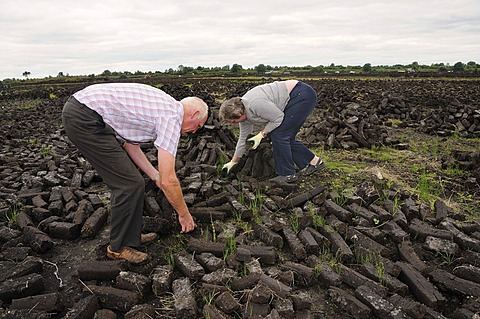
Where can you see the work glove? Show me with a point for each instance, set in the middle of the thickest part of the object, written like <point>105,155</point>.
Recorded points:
<point>229,166</point>
<point>256,140</point>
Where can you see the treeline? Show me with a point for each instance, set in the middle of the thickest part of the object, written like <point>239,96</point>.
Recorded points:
<point>414,68</point>
<point>261,69</point>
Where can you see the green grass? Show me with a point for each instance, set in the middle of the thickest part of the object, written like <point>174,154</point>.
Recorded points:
<point>294,222</point>
<point>418,170</point>
<point>11,215</point>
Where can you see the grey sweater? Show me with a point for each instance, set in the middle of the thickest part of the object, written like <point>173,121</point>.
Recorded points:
<point>264,104</point>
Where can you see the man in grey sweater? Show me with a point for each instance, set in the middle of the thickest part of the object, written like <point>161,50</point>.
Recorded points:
<point>283,107</point>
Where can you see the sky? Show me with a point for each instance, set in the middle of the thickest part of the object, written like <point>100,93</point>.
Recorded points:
<point>46,37</point>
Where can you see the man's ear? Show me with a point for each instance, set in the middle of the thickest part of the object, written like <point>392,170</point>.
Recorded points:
<point>195,114</point>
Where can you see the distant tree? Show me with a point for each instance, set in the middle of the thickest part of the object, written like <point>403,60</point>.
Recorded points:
<point>261,68</point>
<point>472,65</point>
<point>458,67</point>
<point>60,74</point>
<point>188,70</point>
<point>317,69</point>
<point>415,66</point>
<point>367,67</point>
<point>442,68</point>
<point>106,73</point>
<point>26,74</point>
<point>236,68</point>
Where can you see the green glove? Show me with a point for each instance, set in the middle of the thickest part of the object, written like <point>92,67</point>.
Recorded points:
<point>229,166</point>
<point>256,140</point>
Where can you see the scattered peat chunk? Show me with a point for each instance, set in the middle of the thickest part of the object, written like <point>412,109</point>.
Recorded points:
<point>278,287</point>
<point>29,265</point>
<point>162,278</point>
<point>63,230</point>
<point>454,284</point>
<point>301,199</point>
<point>210,311</point>
<point>355,279</point>
<point>210,262</point>
<point>304,275</point>
<point>419,229</point>
<point>380,306</point>
<point>341,213</point>
<point>143,311</point>
<point>114,298</point>
<point>468,272</point>
<point>94,223</point>
<point>348,303</point>
<point>420,287</point>
<point>84,308</point>
<point>185,304</point>
<point>101,270</point>
<point>134,282</point>
<point>46,302</point>
<point>38,240</point>
<point>187,264</point>
<point>21,287</point>
<point>200,246</point>
<point>408,254</point>
<point>294,243</point>
<point>268,236</point>
<point>411,307</point>
<point>377,273</point>
<point>227,303</point>
<point>464,241</point>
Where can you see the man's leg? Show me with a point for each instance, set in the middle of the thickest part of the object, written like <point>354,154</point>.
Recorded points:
<point>96,141</point>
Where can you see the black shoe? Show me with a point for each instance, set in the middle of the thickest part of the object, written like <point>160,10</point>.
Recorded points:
<point>310,169</point>
<point>284,179</point>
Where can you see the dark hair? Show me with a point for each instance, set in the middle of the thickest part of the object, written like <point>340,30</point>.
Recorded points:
<point>231,109</point>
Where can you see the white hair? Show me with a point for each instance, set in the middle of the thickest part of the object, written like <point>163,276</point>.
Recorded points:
<point>197,103</point>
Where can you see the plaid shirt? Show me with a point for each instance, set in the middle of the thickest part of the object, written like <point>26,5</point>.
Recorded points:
<point>137,112</point>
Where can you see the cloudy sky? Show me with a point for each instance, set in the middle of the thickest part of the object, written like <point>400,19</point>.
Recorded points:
<point>45,37</point>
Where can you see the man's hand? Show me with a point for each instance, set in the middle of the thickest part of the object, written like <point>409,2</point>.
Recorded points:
<point>229,166</point>
<point>256,140</point>
<point>187,223</point>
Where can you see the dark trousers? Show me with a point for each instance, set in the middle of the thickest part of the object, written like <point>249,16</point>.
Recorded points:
<point>287,151</point>
<point>97,143</point>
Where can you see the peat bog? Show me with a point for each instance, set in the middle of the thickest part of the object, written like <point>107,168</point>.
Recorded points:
<point>388,230</point>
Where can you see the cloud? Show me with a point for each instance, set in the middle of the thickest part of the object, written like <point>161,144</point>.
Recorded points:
<point>51,36</point>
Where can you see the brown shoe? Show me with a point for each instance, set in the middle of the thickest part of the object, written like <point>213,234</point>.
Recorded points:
<point>129,254</point>
<point>148,238</point>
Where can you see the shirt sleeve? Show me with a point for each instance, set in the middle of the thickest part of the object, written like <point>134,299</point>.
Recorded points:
<point>246,128</point>
<point>168,135</point>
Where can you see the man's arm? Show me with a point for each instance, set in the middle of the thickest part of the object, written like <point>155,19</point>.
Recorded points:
<point>139,158</point>
<point>170,185</point>
<point>166,180</point>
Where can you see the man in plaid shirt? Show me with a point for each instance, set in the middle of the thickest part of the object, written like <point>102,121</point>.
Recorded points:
<point>107,122</point>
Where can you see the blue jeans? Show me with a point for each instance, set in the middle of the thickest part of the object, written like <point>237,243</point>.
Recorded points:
<point>287,151</point>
